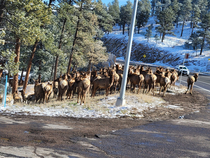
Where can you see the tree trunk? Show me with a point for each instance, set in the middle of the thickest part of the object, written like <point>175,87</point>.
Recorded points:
<point>40,68</point>
<point>204,36</point>
<point>163,36</point>
<point>21,77</point>
<point>128,30</point>
<point>123,29</point>
<point>55,70</point>
<point>74,43</point>
<point>17,58</point>
<point>89,65</point>
<point>2,7</point>
<point>138,29</point>
<point>29,66</point>
<point>57,56</point>
<point>1,72</point>
<point>192,28</point>
<point>182,28</point>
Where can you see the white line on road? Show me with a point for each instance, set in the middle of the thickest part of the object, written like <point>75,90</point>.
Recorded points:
<point>204,82</point>
<point>199,87</point>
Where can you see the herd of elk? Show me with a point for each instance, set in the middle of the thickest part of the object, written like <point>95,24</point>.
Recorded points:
<point>108,79</point>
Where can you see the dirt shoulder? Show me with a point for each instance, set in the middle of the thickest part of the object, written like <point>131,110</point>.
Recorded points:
<point>17,130</point>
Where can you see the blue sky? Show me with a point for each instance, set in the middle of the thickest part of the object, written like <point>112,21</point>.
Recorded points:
<point>121,2</point>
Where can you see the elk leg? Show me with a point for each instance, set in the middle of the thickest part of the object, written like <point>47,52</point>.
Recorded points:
<point>187,88</point>
<point>191,88</point>
<point>160,89</point>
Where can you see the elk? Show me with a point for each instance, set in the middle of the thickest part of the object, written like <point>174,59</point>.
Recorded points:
<point>103,83</point>
<point>71,83</point>
<point>47,91</point>
<point>116,82</point>
<point>83,88</point>
<point>164,83</point>
<point>62,87</point>
<point>136,80</point>
<point>149,79</point>
<point>190,82</point>
<point>38,91</point>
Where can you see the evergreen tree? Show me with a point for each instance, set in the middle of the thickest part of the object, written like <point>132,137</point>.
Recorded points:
<point>114,10</point>
<point>165,19</point>
<point>185,12</point>
<point>153,5</point>
<point>125,14</point>
<point>85,29</point>
<point>149,32</point>
<point>176,8</point>
<point>195,41</point>
<point>105,20</point>
<point>203,6</point>
<point>24,25</point>
<point>143,13</point>
<point>204,31</point>
<point>195,16</point>
<point>156,38</point>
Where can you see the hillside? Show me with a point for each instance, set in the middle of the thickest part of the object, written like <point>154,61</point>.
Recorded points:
<point>170,52</point>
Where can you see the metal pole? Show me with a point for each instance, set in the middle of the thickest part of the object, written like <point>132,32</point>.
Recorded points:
<point>121,99</point>
<point>181,73</point>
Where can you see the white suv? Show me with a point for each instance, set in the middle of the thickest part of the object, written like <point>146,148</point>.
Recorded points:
<point>183,69</point>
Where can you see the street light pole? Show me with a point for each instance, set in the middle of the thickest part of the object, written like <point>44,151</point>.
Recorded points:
<point>121,99</point>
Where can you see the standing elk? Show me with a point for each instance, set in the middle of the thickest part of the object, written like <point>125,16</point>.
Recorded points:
<point>190,82</point>
<point>103,83</point>
<point>47,91</point>
<point>83,88</point>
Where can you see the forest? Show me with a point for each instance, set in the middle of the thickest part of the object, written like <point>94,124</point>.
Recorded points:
<point>49,38</point>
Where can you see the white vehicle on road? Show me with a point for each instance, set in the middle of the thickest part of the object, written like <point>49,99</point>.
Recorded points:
<point>183,69</point>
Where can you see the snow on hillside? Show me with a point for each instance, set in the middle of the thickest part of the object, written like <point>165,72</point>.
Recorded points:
<point>172,44</point>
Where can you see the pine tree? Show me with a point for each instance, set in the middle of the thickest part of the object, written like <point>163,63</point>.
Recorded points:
<point>143,13</point>
<point>85,28</point>
<point>24,24</point>
<point>156,38</point>
<point>204,31</point>
<point>153,5</point>
<point>195,16</point>
<point>185,12</point>
<point>176,8</point>
<point>105,20</point>
<point>149,32</point>
<point>194,41</point>
<point>114,10</point>
<point>125,14</point>
<point>165,19</point>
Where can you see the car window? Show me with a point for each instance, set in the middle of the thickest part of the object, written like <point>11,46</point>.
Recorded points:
<point>183,68</point>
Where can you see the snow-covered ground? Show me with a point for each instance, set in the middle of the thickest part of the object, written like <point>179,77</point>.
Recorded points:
<point>103,107</point>
<point>173,44</point>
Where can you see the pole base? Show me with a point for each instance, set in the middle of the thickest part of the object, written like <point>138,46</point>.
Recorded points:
<point>120,102</point>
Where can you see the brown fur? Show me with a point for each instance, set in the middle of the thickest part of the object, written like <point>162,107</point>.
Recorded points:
<point>83,88</point>
<point>136,80</point>
<point>47,91</point>
<point>103,83</point>
<point>70,88</point>
<point>38,91</point>
<point>149,80</point>
<point>190,82</point>
<point>16,97</point>
<point>164,83</point>
<point>62,87</point>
